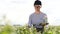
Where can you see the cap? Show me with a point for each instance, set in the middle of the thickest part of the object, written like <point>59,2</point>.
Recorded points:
<point>37,2</point>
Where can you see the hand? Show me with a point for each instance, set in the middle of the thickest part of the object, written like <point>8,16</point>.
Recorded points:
<point>43,24</point>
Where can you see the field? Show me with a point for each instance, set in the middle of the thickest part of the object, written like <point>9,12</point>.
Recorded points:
<point>16,29</point>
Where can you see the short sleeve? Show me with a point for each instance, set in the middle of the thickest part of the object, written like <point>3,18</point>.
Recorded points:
<point>30,21</point>
<point>45,18</point>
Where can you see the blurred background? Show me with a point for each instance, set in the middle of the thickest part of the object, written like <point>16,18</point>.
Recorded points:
<point>18,11</point>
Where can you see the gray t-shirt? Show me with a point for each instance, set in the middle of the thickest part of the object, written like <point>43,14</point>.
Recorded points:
<point>37,19</point>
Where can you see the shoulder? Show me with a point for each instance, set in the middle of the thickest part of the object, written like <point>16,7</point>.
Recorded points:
<point>31,15</point>
<point>43,14</point>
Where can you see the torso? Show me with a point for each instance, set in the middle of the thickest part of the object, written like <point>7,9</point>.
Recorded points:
<point>37,18</point>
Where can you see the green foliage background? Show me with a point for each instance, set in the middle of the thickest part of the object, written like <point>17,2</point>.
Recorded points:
<point>8,29</point>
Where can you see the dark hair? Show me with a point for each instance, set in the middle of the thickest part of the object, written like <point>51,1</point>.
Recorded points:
<point>37,2</point>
